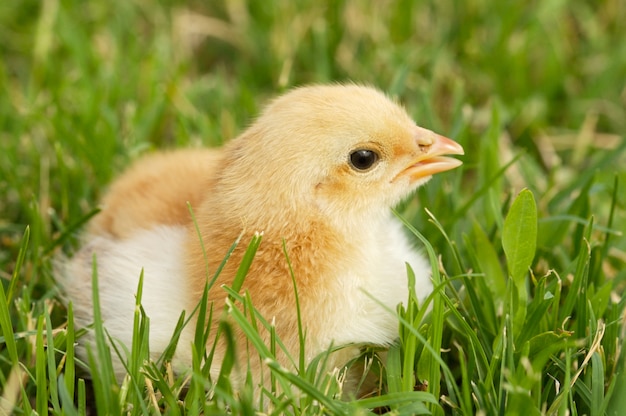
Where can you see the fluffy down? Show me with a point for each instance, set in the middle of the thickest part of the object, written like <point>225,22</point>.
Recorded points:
<point>318,172</point>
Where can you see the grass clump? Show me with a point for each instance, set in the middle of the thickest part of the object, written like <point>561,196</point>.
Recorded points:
<point>526,239</point>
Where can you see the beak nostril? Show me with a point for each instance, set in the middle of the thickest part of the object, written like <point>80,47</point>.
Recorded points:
<point>425,139</point>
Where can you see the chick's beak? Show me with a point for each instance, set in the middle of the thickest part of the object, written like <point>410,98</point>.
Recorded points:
<point>432,161</point>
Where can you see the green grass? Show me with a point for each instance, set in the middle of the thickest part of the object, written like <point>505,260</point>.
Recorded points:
<point>526,238</point>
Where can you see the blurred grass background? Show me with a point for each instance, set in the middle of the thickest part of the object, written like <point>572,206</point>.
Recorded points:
<point>86,87</point>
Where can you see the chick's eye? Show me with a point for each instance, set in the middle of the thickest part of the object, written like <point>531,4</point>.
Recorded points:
<point>363,159</point>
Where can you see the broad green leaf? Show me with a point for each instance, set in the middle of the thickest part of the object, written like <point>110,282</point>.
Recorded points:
<point>547,343</point>
<point>519,236</point>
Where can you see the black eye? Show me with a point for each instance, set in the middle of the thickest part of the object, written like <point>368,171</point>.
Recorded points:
<point>363,159</point>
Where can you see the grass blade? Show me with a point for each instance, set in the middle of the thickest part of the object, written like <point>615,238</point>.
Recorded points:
<point>435,336</point>
<point>8,336</point>
<point>18,265</point>
<point>53,390</point>
<point>40,370</point>
<point>69,373</point>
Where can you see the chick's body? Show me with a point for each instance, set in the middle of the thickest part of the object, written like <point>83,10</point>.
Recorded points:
<point>300,175</point>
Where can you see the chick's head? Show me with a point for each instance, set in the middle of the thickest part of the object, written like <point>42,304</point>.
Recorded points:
<point>342,149</point>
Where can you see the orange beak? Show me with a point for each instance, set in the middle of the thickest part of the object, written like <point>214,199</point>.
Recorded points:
<point>432,160</point>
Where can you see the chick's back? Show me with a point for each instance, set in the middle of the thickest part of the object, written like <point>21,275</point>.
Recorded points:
<point>155,191</point>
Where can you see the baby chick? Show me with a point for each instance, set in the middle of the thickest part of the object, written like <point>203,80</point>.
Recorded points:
<point>316,173</point>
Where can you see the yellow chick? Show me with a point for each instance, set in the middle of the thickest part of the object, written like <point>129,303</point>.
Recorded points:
<point>319,170</point>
